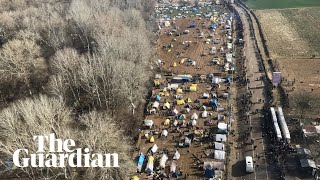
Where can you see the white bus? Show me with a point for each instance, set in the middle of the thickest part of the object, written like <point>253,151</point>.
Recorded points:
<point>283,125</point>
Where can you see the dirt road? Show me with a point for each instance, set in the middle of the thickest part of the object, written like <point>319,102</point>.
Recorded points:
<point>255,87</point>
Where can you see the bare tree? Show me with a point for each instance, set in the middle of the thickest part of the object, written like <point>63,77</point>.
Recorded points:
<point>42,116</point>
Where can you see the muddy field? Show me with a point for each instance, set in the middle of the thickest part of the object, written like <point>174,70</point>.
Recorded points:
<point>174,52</point>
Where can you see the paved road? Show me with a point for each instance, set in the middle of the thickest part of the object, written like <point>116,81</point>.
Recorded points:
<point>256,87</point>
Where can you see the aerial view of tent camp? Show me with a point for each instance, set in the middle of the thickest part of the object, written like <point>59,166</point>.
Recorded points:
<point>187,117</point>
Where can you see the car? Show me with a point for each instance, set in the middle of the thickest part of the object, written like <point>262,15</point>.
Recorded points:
<point>249,164</point>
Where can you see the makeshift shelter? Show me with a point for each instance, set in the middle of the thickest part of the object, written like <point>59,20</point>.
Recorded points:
<point>220,155</point>
<point>194,116</point>
<point>221,137</point>
<point>218,146</point>
<point>222,128</point>
<point>149,167</point>
<point>187,142</point>
<point>175,112</point>
<point>155,104</point>
<point>175,123</point>
<point>173,86</point>
<point>157,76</point>
<point>208,170</point>
<point>149,123</point>
<point>156,82</point>
<point>188,106</point>
<point>174,64</point>
<point>193,87</point>
<point>180,102</point>
<point>173,167</point>
<point>167,24</point>
<point>213,102</point>
<point>187,110</point>
<point>140,161</point>
<point>182,117</point>
<point>157,98</point>
<point>154,148</point>
<point>164,133</point>
<point>135,178</point>
<point>194,122</point>
<point>152,139</point>
<point>176,155</point>
<point>205,95</point>
<point>183,60</point>
<point>167,122</point>
<point>166,105</point>
<point>204,114</point>
<point>163,161</point>
<point>179,91</point>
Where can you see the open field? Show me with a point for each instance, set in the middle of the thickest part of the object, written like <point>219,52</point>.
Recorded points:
<point>279,4</point>
<point>291,32</point>
<point>292,37</point>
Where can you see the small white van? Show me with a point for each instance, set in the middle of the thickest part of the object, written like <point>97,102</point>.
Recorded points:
<point>249,164</point>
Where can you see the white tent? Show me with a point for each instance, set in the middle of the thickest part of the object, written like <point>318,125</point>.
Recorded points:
<point>204,114</point>
<point>221,137</point>
<point>173,86</point>
<point>167,23</point>
<point>222,126</point>
<point>218,154</point>
<point>218,146</point>
<point>173,167</point>
<point>163,161</point>
<point>176,155</point>
<point>148,123</point>
<point>164,133</point>
<point>175,122</point>
<point>155,105</point>
<point>175,112</point>
<point>187,141</point>
<point>194,116</point>
<point>216,80</point>
<point>154,148</point>
<point>194,122</point>
<point>187,110</point>
<point>205,95</point>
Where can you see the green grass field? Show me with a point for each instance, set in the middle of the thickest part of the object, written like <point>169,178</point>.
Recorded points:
<point>280,4</point>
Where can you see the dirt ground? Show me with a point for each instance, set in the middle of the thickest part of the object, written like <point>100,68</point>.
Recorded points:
<point>191,161</point>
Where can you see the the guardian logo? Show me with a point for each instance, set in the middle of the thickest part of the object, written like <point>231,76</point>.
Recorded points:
<point>62,154</point>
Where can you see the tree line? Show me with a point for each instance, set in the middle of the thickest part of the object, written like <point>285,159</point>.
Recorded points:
<point>77,68</point>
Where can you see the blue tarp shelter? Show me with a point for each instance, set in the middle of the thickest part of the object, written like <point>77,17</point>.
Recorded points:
<point>157,98</point>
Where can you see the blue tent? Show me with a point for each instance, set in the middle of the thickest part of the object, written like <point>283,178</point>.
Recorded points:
<point>213,26</point>
<point>158,98</point>
<point>192,25</point>
<point>140,162</point>
<point>213,102</point>
<point>209,173</point>
<point>228,80</point>
<point>195,10</point>
<point>182,117</point>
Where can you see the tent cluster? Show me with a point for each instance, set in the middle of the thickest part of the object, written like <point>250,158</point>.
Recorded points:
<point>189,111</point>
